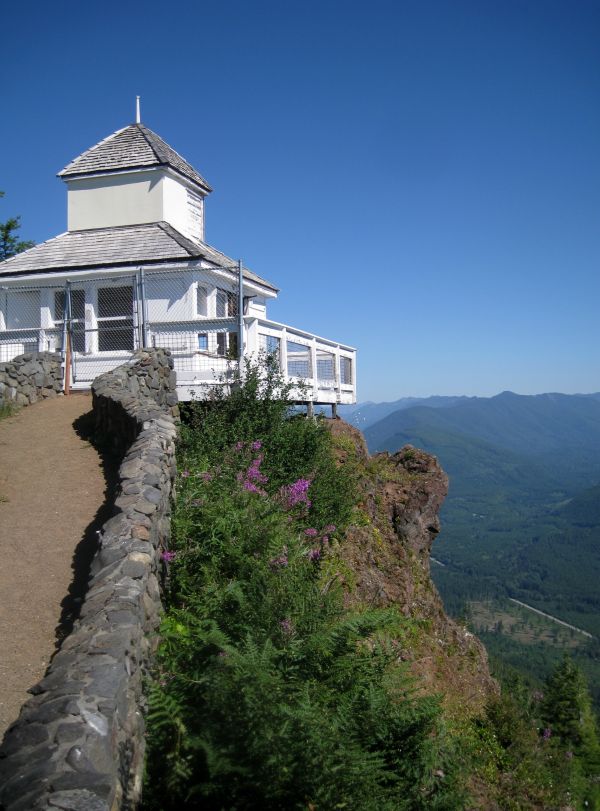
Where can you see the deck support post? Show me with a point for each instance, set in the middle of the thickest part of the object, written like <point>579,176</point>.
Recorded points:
<point>334,414</point>
<point>240,314</point>
<point>143,315</point>
<point>310,409</point>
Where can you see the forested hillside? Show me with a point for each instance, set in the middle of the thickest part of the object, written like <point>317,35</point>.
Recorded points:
<point>522,519</point>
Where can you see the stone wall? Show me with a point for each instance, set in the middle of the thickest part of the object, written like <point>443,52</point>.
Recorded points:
<point>79,741</point>
<point>31,377</point>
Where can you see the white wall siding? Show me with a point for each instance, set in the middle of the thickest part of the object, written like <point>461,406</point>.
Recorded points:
<point>184,214</point>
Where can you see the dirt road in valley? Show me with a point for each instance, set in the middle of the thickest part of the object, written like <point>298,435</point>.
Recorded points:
<point>52,492</point>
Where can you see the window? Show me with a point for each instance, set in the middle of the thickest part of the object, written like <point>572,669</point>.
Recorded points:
<point>298,360</point>
<point>227,304</point>
<point>201,301</point>
<point>22,309</point>
<point>325,366</point>
<point>115,319</point>
<point>346,370</point>
<point>269,343</point>
<point>77,316</point>
<point>203,341</point>
<point>227,344</point>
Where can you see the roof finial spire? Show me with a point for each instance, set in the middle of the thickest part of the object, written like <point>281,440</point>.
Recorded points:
<point>137,110</point>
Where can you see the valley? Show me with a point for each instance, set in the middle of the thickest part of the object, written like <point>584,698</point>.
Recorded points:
<point>521,521</point>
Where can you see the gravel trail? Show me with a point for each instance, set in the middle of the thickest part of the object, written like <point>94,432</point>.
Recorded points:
<point>53,491</point>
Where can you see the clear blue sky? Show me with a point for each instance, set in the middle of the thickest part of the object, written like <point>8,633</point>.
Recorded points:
<point>421,179</point>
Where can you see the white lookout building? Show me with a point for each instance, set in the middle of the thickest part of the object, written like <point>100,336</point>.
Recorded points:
<point>133,270</point>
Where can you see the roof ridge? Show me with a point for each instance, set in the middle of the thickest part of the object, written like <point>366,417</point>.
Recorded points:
<point>89,149</point>
<point>162,149</point>
<point>197,244</point>
<point>183,241</point>
<point>143,128</point>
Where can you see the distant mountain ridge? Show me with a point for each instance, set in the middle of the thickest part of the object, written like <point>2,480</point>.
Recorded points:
<point>522,517</point>
<point>362,415</point>
<point>528,424</point>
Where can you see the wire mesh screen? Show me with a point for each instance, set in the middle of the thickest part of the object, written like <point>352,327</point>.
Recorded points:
<point>101,321</point>
<point>195,315</point>
<point>97,322</point>
<point>346,371</point>
<point>269,344</point>
<point>325,369</point>
<point>102,318</point>
<point>26,321</point>
<point>298,360</point>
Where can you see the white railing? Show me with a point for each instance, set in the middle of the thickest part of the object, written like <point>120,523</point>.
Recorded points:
<point>326,368</point>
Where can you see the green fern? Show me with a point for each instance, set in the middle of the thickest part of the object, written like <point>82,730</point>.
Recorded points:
<point>269,693</point>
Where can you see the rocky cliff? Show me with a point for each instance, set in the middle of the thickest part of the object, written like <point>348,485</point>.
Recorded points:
<point>386,558</point>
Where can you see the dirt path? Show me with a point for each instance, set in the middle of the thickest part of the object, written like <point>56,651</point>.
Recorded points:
<point>52,488</point>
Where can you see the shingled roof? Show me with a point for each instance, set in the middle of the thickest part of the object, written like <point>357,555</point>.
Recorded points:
<point>133,147</point>
<point>147,244</point>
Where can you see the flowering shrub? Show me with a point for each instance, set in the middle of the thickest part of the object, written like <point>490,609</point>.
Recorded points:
<point>296,493</point>
<point>269,693</point>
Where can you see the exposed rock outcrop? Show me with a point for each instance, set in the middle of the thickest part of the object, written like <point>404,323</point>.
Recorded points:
<point>388,550</point>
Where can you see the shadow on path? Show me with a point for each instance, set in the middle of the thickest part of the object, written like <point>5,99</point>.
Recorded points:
<point>88,545</point>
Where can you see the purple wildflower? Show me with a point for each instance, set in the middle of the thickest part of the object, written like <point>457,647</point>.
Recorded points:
<point>311,532</point>
<point>206,477</point>
<point>296,493</point>
<point>239,446</point>
<point>185,474</point>
<point>325,539</point>
<point>168,556</point>
<point>314,554</point>
<point>329,528</point>
<point>547,733</point>
<point>286,626</point>
<point>256,445</point>
<point>254,472</point>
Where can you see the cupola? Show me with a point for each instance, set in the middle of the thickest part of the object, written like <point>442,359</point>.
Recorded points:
<point>134,177</point>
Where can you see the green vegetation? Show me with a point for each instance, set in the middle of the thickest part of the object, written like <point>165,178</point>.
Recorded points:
<point>6,410</point>
<point>10,244</point>
<point>530,644</point>
<point>539,748</point>
<point>269,693</point>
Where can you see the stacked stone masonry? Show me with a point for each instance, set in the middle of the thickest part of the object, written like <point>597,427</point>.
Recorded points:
<point>31,377</point>
<point>79,741</point>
